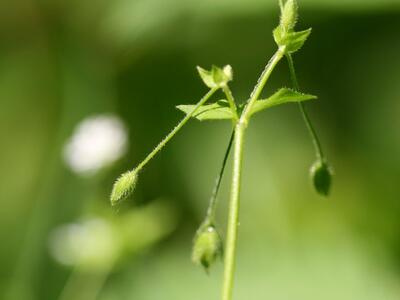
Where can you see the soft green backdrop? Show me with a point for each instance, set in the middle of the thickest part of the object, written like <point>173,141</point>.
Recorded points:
<point>62,61</point>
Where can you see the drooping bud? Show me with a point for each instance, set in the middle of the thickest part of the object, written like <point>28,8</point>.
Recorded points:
<point>123,187</point>
<point>207,246</point>
<point>321,176</point>
<point>289,15</point>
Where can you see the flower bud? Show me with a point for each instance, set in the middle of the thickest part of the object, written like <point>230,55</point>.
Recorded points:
<point>289,15</point>
<point>222,76</point>
<point>321,176</point>
<point>123,187</point>
<point>216,77</point>
<point>207,246</point>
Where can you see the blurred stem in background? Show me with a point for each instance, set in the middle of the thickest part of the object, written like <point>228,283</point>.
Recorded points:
<point>310,127</point>
<point>84,285</point>
<point>74,85</point>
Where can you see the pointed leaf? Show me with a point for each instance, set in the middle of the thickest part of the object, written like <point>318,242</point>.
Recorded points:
<point>292,40</point>
<point>282,96</point>
<point>296,40</point>
<point>216,111</point>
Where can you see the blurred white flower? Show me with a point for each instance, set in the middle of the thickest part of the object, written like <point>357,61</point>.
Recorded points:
<point>91,244</point>
<point>97,142</point>
<point>96,243</point>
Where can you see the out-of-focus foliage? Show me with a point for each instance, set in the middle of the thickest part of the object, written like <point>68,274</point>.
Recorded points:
<point>62,62</point>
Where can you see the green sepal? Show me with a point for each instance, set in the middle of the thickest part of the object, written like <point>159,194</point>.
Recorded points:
<point>282,96</point>
<point>219,110</point>
<point>206,76</point>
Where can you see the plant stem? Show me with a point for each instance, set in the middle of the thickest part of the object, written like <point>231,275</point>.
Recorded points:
<point>176,129</point>
<point>83,285</point>
<point>231,100</point>
<point>213,200</point>
<point>234,204</point>
<point>310,127</point>
<point>233,219</point>
<point>261,83</point>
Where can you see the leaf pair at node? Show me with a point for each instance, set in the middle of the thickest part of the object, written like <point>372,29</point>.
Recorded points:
<point>220,110</point>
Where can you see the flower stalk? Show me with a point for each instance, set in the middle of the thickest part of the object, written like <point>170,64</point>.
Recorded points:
<point>234,203</point>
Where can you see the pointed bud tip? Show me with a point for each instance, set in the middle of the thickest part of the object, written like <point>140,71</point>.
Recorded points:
<point>321,176</point>
<point>123,187</point>
<point>207,247</point>
<point>289,15</point>
<point>228,71</point>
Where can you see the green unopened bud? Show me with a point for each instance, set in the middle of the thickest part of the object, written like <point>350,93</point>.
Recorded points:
<point>207,246</point>
<point>321,176</point>
<point>289,15</point>
<point>285,37</point>
<point>222,76</point>
<point>123,187</point>
<point>216,77</point>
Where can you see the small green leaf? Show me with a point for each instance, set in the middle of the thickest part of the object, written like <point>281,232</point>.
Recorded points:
<point>321,176</point>
<point>292,40</point>
<point>217,77</point>
<point>296,40</point>
<point>207,77</point>
<point>278,34</point>
<point>216,111</point>
<point>123,187</point>
<point>282,96</point>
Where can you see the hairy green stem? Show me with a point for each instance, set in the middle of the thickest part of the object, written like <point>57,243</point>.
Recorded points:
<point>310,127</point>
<point>234,204</point>
<point>261,83</point>
<point>233,219</point>
<point>176,129</point>
<point>212,207</point>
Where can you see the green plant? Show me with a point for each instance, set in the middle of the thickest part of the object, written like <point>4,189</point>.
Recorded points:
<point>207,243</point>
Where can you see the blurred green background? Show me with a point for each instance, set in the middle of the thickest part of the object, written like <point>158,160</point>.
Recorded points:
<point>62,62</point>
